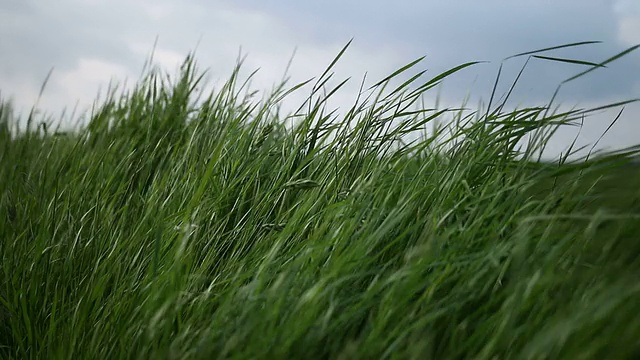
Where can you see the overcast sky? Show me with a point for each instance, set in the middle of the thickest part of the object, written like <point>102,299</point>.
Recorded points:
<point>89,42</point>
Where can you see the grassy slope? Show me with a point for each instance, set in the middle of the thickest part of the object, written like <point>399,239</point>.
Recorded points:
<point>170,230</point>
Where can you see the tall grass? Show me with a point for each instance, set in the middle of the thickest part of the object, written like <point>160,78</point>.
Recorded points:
<point>183,225</point>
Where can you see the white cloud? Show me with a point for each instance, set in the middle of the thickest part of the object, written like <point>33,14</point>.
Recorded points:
<point>629,30</point>
<point>164,58</point>
<point>628,26</point>
<point>81,83</point>
<point>159,11</point>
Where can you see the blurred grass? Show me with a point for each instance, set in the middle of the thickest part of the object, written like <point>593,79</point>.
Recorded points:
<point>174,228</point>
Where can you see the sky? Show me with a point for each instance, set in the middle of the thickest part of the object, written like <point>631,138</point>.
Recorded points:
<point>87,43</point>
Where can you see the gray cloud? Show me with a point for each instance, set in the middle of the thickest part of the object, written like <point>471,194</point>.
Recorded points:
<point>450,33</point>
<point>89,41</point>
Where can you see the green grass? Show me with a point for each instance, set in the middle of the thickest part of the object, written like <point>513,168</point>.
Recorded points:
<point>169,228</point>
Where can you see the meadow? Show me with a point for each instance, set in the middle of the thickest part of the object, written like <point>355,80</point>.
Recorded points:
<point>180,225</point>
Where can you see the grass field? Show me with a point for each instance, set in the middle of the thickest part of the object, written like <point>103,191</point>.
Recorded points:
<point>168,228</point>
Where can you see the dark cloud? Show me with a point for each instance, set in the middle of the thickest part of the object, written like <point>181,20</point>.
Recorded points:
<point>451,33</point>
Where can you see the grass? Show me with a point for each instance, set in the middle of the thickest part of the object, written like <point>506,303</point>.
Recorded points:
<point>170,228</point>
